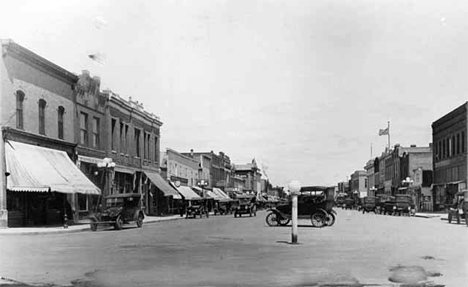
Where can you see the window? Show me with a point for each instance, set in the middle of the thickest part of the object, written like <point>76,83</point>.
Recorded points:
<point>137,142</point>
<point>122,138</point>
<point>60,113</point>
<point>443,148</point>
<point>365,182</point>
<point>454,152</point>
<point>82,202</point>
<point>146,149</point>
<point>19,109</point>
<point>113,131</point>
<point>96,128</point>
<point>126,139</point>
<point>42,106</point>
<point>463,142</point>
<point>156,150</point>
<point>458,143</point>
<point>83,128</point>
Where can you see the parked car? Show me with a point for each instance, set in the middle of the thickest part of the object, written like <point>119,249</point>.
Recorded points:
<point>196,207</point>
<point>223,207</point>
<point>369,204</point>
<point>404,205</point>
<point>314,203</point>
<point>246,205</point>
<point>119,209</point>
<point>389,206</point>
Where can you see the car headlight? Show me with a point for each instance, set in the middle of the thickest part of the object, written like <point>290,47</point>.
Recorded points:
<point>394,207</point>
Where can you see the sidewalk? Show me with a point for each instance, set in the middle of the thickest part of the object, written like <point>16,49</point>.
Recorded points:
<point>429,215</point>
<point>74,228</point>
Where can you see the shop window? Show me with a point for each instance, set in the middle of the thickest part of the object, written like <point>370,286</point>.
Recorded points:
<point>42,106</point>
<point>82,202</point>
<point>60,113</point>
<point>84,128</point>
<point>19,109</point>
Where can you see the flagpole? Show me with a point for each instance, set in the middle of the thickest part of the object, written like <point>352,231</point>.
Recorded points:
<point>388,134</point>
<point>371,150</point>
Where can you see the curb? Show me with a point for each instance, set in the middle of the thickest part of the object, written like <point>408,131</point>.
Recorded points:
<point>82,229</point>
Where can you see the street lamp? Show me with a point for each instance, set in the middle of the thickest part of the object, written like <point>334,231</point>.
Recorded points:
<point>294,187</point>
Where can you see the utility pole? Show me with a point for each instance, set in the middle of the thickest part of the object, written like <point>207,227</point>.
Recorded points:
<point>3,199</point>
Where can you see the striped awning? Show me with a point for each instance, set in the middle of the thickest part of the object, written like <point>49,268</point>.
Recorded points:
<point>38,169</point>
<point>187,193</point>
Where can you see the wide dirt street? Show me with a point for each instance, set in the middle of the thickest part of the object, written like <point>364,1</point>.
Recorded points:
<point>228,251</point>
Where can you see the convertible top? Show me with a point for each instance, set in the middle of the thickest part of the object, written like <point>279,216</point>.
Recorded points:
<point>314,188</point>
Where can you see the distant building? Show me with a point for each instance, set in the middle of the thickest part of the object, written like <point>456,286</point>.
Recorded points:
<point>343,187</point>
<point>251,175</point>
<point>450,156</point>
<point>370,177</point>
<point>359,183</point>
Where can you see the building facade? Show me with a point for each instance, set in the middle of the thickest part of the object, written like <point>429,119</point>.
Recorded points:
<point>38,108</point>
<point>250,173</point>
<point>449,157</point>
<point>370,177</point>
<point>359,183</point>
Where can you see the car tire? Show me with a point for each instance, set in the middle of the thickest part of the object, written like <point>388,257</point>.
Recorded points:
<point>118,223</point>
<point>450,217</point>
<point>318,219</point>
<point>330,219</point>
<point>139,222</point>
<point>458,218</point>
<point>93,224</point>
<point>271,219</point>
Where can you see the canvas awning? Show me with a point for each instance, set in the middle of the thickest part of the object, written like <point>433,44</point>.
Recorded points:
<point>160,183</point>
<point>39,169</point>
<point>187,192</point>
<point>220,193</point>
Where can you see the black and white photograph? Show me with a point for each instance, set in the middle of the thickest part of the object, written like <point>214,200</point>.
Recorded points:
<point>232,143</point>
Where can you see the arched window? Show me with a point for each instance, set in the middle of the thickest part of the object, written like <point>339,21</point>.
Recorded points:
<point>60,113</point>
<point>19,109</point>
<point>42,106</point>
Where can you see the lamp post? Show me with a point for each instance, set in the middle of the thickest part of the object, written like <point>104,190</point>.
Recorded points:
<point>294,187</point>
<point>107,164</point>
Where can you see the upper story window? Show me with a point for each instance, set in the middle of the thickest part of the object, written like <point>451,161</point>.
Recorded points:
<point>458,143</point>
<point>137,142</point>
<point>463,142</point>
<point>96,134</point>
<point>60,114</point>
<point>156,150</point>
<point>42,106</point>
<point>19,109</point>
<point>83,128</point>
<point>113,133</point>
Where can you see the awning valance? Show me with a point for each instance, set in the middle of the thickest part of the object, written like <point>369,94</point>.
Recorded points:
<point>160,183</point>
<point>39,169</point>
<point>187,193</point>
<point>123,169</point>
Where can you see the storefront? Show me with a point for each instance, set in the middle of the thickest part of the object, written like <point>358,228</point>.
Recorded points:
<point>84,204</point>
<point>159,197</point>
<point>41,183</point>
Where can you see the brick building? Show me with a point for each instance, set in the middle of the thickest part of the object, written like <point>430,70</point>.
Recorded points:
<point>251,175</point>
<point>38,108</point>
<point>449,156</point>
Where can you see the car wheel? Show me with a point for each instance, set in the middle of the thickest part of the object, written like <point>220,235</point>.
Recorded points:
<point>272,219</point>
<point>118,223</point>
<point>93,224</point>
<point>235,214</point>
<point>284,222</point>
<point>330,220</point>
<point>458,218</point>
<point>450,217</point>
<point>140,221</point>
<point>318,219</point>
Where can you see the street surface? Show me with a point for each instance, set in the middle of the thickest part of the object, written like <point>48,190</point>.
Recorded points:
<point>227,251</point>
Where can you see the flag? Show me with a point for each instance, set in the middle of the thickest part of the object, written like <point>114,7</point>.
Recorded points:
<point>383,132</point>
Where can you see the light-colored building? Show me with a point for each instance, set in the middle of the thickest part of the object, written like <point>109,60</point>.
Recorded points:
<point>181,168</point>
<point>359,183</point>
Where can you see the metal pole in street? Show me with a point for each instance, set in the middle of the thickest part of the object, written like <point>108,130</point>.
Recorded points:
<point>294,188</point>
<point>3,175</point>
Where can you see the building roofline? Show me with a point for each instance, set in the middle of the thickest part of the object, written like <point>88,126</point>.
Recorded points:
<point>116,99</point>
<point>182,155</point>
<point>18,51</point>
<point>447,115</point>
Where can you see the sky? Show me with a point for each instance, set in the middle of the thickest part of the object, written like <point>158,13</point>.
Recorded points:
<point>301,86</point>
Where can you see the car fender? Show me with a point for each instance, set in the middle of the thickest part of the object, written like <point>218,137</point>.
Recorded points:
<point>323,211</point>
<point>277,212</point>
<point>334,212</point>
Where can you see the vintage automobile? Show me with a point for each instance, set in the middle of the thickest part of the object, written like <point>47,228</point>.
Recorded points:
<point>458,209</point>
<point>119,209</point>
<point>223,207</point>
<point>404,205</point>
<point>246,205</point>
<point>381,200</point>
<point>340,201</point>
<point>314,203</point>
<point>369,204</point>
<point>349,203</point>
<point>196,207</point>
<point>388,206</point>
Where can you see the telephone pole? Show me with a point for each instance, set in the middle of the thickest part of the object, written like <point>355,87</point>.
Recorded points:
<point>3,199</point>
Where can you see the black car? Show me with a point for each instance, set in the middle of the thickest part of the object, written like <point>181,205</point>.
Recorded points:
<point>119,209</point>
<point>246,205</point>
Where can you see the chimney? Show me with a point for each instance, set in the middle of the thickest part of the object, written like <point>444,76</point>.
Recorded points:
<point>413,145</point>
<point>191,153</point>
<point>85,72</point>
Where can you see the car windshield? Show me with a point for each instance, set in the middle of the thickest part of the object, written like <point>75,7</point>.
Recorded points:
<point>114,202</point>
